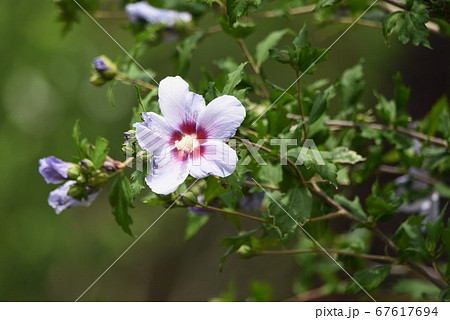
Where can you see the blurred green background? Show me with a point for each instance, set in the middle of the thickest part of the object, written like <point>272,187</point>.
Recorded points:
<point>44,88</point>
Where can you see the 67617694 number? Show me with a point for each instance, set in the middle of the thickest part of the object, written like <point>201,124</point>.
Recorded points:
<point>406,311</point>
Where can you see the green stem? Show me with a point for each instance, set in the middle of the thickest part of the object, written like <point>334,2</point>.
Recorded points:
<point>144,85</point>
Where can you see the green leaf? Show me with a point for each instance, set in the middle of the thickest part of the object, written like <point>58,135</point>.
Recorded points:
<point>385,109</point>
<point>417,289</point>
<point>260,291</point>
<point>195,223</point>
<point>80,144</point>
<point>137,183</point>
<point>445,295</point>
<point>238,29</point>
<point>319,104</point>
<point>382,203</point>
<point>350,88</point>
<point>121,199</point>
<point>353,206</point>
<point>152,199</point>
<point>325,4</point>
<point>185,51</point>
<point>401,93</point>
<point>234,243</point>
<point>100,152</point>
<point>297,203</point>
<point>234,78</point>
<point>434,231</point>
<point>345,155</point>
<point>409,25</point>
<point>369,278</point>
<point>410,241</point>
<point>431,123</point>
<point>263,48</point>
<point>240,8</point>
<point>214,188</point>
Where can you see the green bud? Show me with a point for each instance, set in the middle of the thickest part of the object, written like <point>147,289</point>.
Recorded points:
<point>86,166</point>
<point>73,172</point>
<point>105,67</point>
<point>97,80</point>
<point>246,251</point>
<point>98,179</point>
<point>78,192</point>
<point>190,199</point>
<point>142,155</point>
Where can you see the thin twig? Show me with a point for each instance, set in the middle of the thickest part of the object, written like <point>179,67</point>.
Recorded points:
<point>343,124</point>
<point>255,68</point>
<point>233,213</point>
<point>416,175</point>
<point>140,83</point>
<point>299,100</point>
<point>336,251</point>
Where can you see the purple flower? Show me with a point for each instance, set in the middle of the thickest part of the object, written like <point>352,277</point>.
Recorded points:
<point>252,202</point>
<point>190,137</point>
<point>200,211</point>
<point>144,11</point>
<point>100,65</point>
<point>60,201</point>
<point>54,170</point>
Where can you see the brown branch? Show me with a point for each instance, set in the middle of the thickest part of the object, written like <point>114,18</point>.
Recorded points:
<point>416,175</point>
<point>233,213</point>
<point>336,251</point>
<point>342,124</point>
<point>291,12</point>
<point>140,83</point>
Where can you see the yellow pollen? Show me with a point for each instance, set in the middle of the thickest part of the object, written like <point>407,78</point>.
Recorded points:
<point>187,143</point>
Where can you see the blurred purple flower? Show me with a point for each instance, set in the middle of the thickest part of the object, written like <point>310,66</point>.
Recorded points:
<point>252,202</point>
<point>54,170</point>
<point>200,211</point>
<point>100,65</point>
<point>144,11</point>
<point>60,201</point>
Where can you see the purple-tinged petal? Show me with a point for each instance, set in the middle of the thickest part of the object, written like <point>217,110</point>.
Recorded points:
<point>216,158</point>
<point>144,11</point>
<point>252,202</point>
<point>221,117</point>
<point>60,201</point>
<point>179,106</point>
<point>200,211</point>
<point>54,170</point>
<point>169,170</point>
<point>154,134</point>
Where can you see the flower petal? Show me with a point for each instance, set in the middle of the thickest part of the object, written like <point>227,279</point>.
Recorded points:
<point>221,117</point>
<point>154,134</point>
<point>54,170</point>
<point>179,106</point>
<point>168,171</point>
<point>60,201</point>
<point>216,158</point>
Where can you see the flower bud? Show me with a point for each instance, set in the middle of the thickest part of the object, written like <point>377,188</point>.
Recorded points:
<point>73,172</point>
<point>78,192</point>
<point>97,80</point>
<point>86,166</point>
<point>105,67</point>
<point>104,71</point>
<point>245,251</point>
<point>190,199</point>
<point>142,155</point>
<point>98,179</point>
